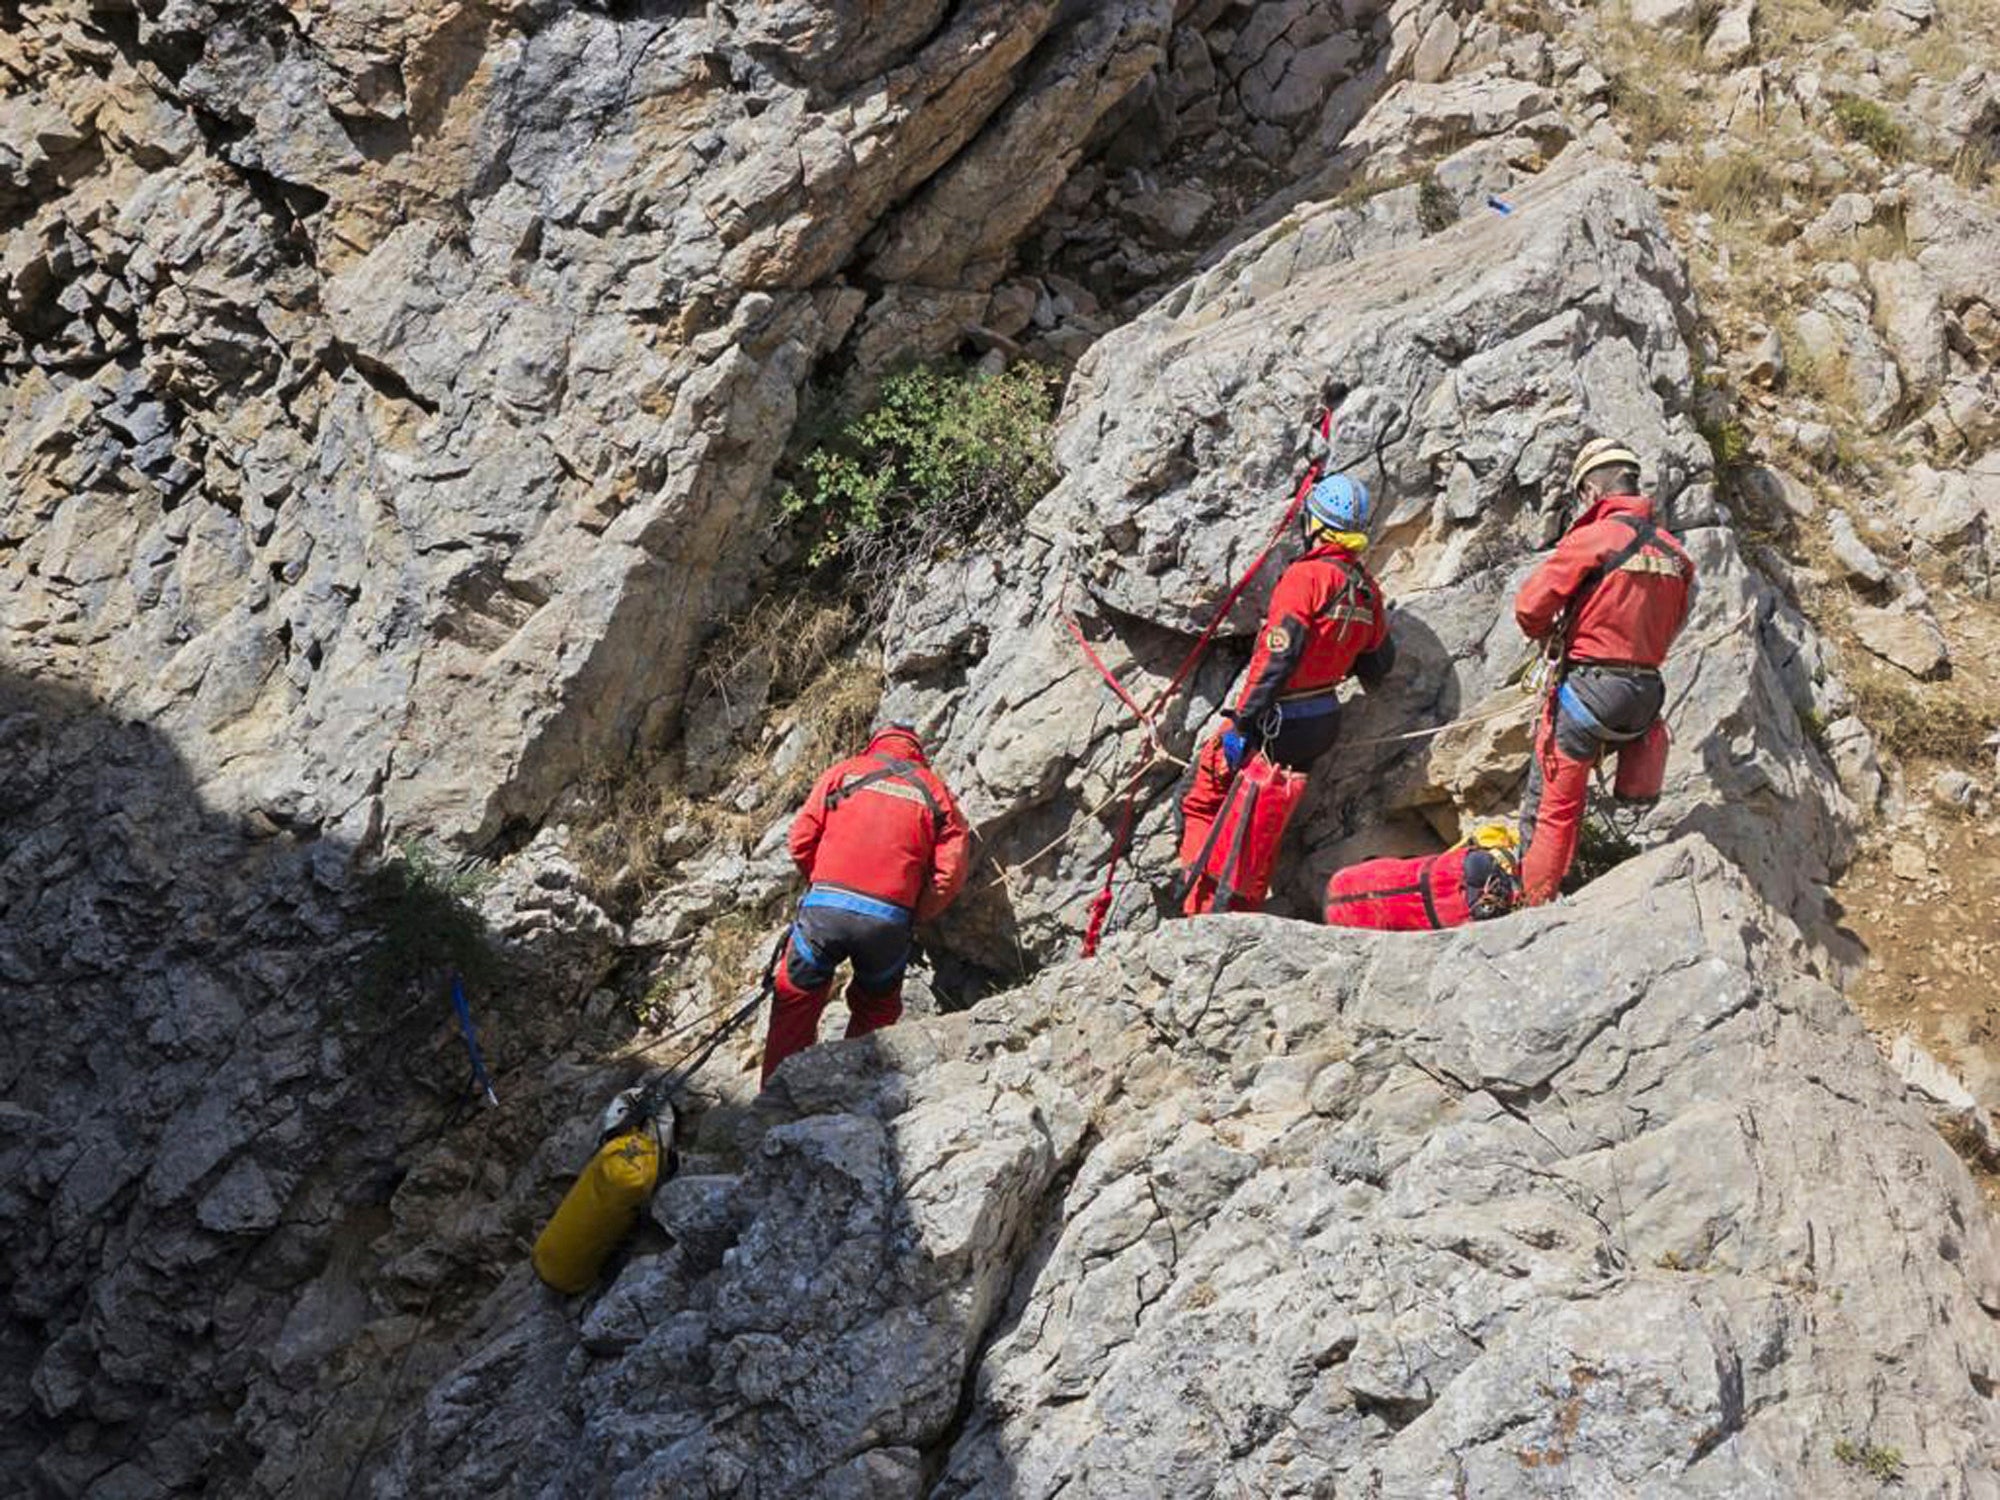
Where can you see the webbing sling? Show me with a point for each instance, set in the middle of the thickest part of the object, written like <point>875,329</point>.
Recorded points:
<point>1421,888</point>
<point>1644,531</point>
<point>1225,892</point>
<point>891,769</point>
<point>1354,583</point>
<point>1199,868</point>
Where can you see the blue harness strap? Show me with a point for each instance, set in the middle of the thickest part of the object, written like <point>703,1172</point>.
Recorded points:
<point>1317,706</point>
<point>1572,704</point>
<point>846,900</point>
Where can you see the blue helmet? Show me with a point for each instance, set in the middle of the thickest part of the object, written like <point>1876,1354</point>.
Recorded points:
<point>1340,503</point>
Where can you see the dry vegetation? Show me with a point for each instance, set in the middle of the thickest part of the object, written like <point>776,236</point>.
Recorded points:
<point>795,651</point>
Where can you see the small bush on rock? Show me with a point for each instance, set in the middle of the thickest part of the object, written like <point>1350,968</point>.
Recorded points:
<point>1867,122</point>
<point>426,926</point>
<point>1437,210</point>
<point>942,456</point>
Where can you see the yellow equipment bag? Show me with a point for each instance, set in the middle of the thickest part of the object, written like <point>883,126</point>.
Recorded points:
<point>597,1212</point>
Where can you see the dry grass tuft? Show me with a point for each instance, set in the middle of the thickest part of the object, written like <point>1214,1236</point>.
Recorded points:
<point>801,655</point>
<point>1928,723</point>
<point>1736,187</point>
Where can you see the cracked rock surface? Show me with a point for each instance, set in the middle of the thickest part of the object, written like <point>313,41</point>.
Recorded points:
<point>1252,1207</point>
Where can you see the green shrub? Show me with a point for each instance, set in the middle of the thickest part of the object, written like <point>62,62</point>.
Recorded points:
<point>425,926</point>
<point>1437,210</point>
<point>1600,848</point>
<point>1867,122</point>
<point>1878,1462</point>
<point>944,455</point>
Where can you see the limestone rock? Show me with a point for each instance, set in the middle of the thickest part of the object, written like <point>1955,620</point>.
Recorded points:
<point>1912,318</point>
<point>1292,1128</point>
<point>1907,16</point>
<point>1852,553</point>
<point>1905,637</point>
<point>1665,15</point>
<point>1732,38</point>
<point>1179,441</point>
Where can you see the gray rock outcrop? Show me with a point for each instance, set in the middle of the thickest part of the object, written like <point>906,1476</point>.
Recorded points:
<point>378,376</point>
<point>1519,1210</point>
<point>1476,359</point>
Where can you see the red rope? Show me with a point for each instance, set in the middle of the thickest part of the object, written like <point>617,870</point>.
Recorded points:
<point>1100,906</point>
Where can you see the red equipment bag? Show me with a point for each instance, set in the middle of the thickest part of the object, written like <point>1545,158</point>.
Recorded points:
<point>1642,767</point>
<point>1463,884</point>
<point>1234,870</point>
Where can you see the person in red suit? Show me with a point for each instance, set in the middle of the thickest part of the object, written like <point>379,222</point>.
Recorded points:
<point>1608,602</point>
<point>882,846</point>
<point>1327,618</point>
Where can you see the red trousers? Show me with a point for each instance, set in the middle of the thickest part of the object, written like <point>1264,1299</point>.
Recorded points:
<point>1559,787</point>
<point>1199,809</point>
<point>795,1015</point>
<point>802,982</point>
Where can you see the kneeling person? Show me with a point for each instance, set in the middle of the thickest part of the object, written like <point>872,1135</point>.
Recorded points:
<point>1472,882</point>
<point>883,846</point>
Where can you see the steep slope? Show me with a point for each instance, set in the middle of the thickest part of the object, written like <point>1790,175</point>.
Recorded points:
<point>393,396</point>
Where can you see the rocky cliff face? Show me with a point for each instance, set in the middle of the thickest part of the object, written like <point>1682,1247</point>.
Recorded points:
<point>393,398</point>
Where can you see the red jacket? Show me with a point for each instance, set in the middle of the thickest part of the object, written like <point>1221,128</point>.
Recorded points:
<point>1630,613</point>
<point>900,838</point>
<point>1326,619</point>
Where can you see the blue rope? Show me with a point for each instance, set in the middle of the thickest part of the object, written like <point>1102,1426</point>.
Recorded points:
<point>479,1073</point>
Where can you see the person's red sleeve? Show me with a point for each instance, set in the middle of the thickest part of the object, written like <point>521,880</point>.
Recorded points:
<point>1280,644</point>
<point>951,857</point>
<point>810,824</point>
<point>1549,587</point>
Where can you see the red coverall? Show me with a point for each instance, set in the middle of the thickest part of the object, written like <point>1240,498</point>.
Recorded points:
<point>882,845</point>
<point>1326,619</point>
<point>1625,587</point>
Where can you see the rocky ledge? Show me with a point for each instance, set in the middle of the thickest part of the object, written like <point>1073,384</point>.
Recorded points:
<point>1252,1207</point>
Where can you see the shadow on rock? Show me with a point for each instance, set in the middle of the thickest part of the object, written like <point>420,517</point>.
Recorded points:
<point>228,1133</point>
<point>805,1315</point>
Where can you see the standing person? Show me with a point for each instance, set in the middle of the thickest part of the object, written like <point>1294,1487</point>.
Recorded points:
<point>1608,603</point>
<point>1327,619</point>
<point>882,846</point>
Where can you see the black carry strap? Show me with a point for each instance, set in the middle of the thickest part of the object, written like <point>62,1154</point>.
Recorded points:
<point>1355,584</point>
<point>892,769</point>
<point>1644,532</point>
<point>1225,891</point>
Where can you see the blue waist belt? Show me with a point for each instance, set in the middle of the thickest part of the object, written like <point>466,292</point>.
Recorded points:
<point>1309,708</point>
<point>845,900</point>
<point>1573,705</point>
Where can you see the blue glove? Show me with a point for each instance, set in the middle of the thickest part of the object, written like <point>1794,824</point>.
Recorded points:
<point>1233,748</point>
